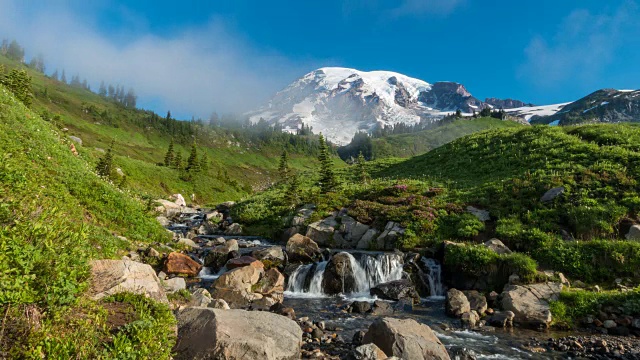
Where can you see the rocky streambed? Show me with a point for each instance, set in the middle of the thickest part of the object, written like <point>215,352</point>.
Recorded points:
<point>308,301</point>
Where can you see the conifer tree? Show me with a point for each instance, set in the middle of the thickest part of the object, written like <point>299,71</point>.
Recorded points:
<point>204,163</point>
<point>283,167</point>
<point>102,91</point>
<point>63,77</point>
<point>292,196</point>
<point>177,161</point>
<point>361,169</point>
<point>327,177</point>
<point>19,82</point>
<point>193,165</point>
<point>105,163</point>
<point>169,157</point>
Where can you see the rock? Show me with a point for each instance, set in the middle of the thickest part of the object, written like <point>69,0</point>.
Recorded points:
<point>273,253</point>
<point>368,352</point>
<point>153,253</point>
<point>552,194</point>
<point>217,257</point>
<point>461,353</point>
<point>214,217</point>
<point>175,284</point>
<point>73,149</point>
<point>322,231</point>
<point>233,229</point>
<point>115,276</point>
<point>406,339</point>
<point>219,304</point>
<point>396,290</point>
<point>514,279</point>
<point>302,248</point>
<point>188,243</point>
<point>502,319</point>
<point>162,275</point>
<point>316,333</point>
<point>206,333</point>
<point>368,239</point>
<point>579,284</point>
<point>360,307</point>
<point>200,297</point>
<point>609,324</point>
<point>389,237</point>
<point>243,261</point>
<point>303,215</point>
<point>381,308</point>
<point>168,208</point>
<point>339,277</point>
<point>530,303</point>
<point>119,172</point>
<point>358,336</point>
<point>235,286</point>
<point>178,199</point>
<point>497,246</point>
<point>482,215</point>
<point>163,221</point>
<point>348,233</point>
<point>76,140</point>
<point>477,301</point>
<point>180,264</point>
<point>634,233</point>
<point>469,319</point>
<point>271,287</point>
<point>456,303</point>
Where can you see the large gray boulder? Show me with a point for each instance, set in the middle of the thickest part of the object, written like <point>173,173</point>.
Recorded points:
<point>302,248</point>
<point>217,257</point>
<point>396,290</point>
<point>339,276</point>
<point>367,241</point>
<point>482,215</point>
<point>552,194</point>
<point>530,303</point>
<point>369,352</point>
<point>634,233</point>
<point>322,231</point>
<point>206,333</point>
<point>497,246</point>
<point>405,339</point>
<point>389,237</point>
<point>349,233</point>
<point>456,303</point>
<point>250,286</point>
<point>109,277</point>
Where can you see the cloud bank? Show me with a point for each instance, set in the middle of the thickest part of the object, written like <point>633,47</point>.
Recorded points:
<point>194,71</point>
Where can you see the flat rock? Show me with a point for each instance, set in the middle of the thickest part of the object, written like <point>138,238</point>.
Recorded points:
<point>406,339</point>
<point>109,277</point>
<point>181,264</point>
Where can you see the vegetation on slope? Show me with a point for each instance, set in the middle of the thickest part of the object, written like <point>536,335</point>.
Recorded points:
<point>55,215</point>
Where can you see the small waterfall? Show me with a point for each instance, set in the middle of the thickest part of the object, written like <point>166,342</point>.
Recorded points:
<point>434,275</point>
<point>207,274</point>
<point>369,271</point>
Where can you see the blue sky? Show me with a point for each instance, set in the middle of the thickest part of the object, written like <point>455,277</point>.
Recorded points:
<point>197,56</point>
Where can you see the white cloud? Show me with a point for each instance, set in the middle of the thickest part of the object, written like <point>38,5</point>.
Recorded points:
<point>582,47</point>
<point>195,71</point>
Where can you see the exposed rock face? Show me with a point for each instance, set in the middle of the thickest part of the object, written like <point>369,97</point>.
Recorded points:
<point>552,194</point>
<point>322,231</point>
<point>205,333</point>
<point>482,215</point>
<point>303,215</point>
<point>389,237</point>
<point>450,96</point>
<point>634,233</point>
<point>530,303</point>
<point>396,290</point>
<point>456,303</point>
<point>349,233</point>
<point>497,246</point>
<point>200,297</point>
<point>369,352</point>
<point>115,276</point>
<point>233,229</point>
<point>506,103</point>
<point>180,264</point>
<point>174,284</point>
<point>406,339</point>
<point>338,275</point>
<point>477,301</point>
<point>168,208</point>
<point>367,240</point>
<point>250,286</point>
<point>178,199</point>
<point>273,253</point>
<point>302,248</point>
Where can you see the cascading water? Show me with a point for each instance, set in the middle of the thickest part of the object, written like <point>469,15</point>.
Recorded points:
<point>369,271</point>
<point>434,276</point>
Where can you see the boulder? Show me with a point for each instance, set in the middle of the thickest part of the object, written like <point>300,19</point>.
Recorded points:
<point>368,239</point>
<point>552,194</point>
<point>205,333</point>
<point>530,303</point>
<point>322,231</point>
<point>303,215</point>
<point>235,286</point>
<point>76,139</point>
<point>271,287</point>
<point>470,319</point>
<point>368,352</point>
<point>634,233</point>
<point>178,199</point>
<point>188,243</point>
<point>360,307</point>
<point>302,248</point>
<point>502,319</point>
<point>219,304</point>
<point>200,297</point>
<point>339,277</point>
<point>381,308</point>
<point>497,246</point>
<point>110,277</point>
<point>396,290</point>
<point>389,237</point>
<point>163,221</point>
<point>233,229</point>
<point>406,339</point>
<point>482,215</point>
<point>477,301</point>
<point>174,284</point>
<point>180,264</point>
<point>243,261</point>
<point>273,254</point>
<point>348,233</point>
<point>168,208</point>
<point>217,257</point>
<point>456,303</point>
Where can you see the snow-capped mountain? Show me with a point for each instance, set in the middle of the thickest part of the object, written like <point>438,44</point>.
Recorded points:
<point>339,102</point>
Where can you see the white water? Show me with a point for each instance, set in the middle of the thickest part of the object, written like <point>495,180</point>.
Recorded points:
<point>207,274</point>
<point>370,271</point>
<point>434,276</point>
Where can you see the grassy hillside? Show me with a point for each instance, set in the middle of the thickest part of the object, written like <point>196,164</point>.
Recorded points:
<point>55,215</point>
<point>407,145</point>
<point>238,165</point>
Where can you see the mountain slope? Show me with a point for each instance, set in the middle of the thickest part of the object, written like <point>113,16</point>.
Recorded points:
<point>339,102</point>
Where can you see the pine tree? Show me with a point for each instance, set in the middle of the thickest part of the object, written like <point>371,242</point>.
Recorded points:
<point>169,157</point>
<point>204,163</point>
<point>292,196</point>
<point>283,167</point>
<point>193,165</point>
<point>327,177</point>
<point>102,91</point>
<point>19,82</point>
<point>177,161</point>
<point>63,77</point>
<point>106,162</point>
<point>361,169</point>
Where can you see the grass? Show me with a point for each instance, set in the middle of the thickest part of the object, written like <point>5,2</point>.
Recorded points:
<point>574,306</point>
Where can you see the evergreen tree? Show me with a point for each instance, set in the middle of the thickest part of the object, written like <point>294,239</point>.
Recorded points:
<point>361,169</point>
<point>169,157</point>
<point>130,99</point>
<point>169,115</point>
<point>123,182</point>
<point>193,165</point>
<point>105,164</point>
<point>55,75</point>
<point>102,91</point>
<point>177,161</point>
<point>19,82</point>
<point>111,92</point>
<point>292,197</point>
<point>283,167</point>
<point>204,163</point>
<point>63,77</point>
<point>327,177</point>
<point>15,51</point>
